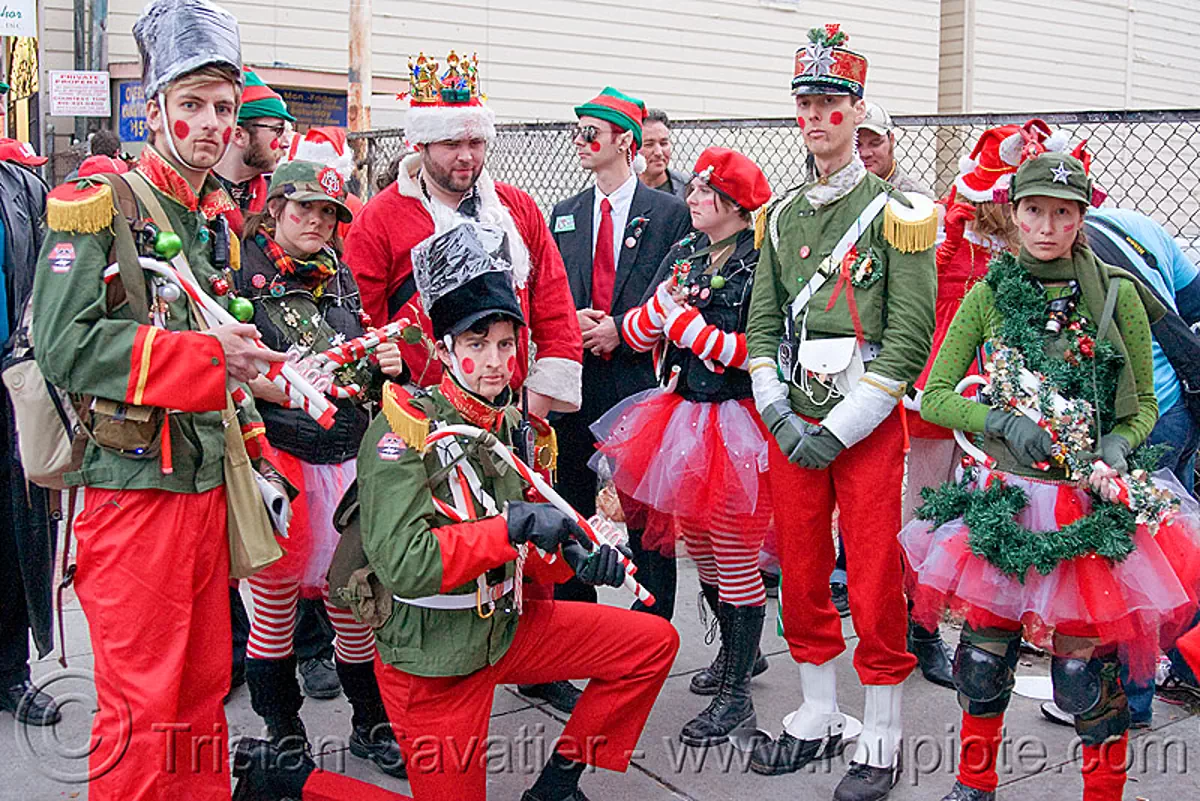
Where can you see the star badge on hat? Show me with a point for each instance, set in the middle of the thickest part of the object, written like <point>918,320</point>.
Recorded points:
<point>1062,174</point>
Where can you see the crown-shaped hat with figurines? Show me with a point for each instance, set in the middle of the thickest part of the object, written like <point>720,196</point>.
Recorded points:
<point>446,105</point>
<point>825,67</point>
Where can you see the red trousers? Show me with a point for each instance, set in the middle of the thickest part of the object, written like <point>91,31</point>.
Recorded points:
<point>864,484</point>
<point>153,579</point>
<point>442,723</point>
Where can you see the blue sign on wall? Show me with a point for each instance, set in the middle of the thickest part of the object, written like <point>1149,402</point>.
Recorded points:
<point>315,109</point>
<point>131,114</point>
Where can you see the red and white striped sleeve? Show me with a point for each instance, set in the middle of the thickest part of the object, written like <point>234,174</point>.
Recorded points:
<point>687,329</point>
<point>642,326</point>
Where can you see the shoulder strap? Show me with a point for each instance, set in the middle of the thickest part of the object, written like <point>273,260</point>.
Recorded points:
<point>1110,306</point>
<point>127,256</point>
<point>1138,247</point>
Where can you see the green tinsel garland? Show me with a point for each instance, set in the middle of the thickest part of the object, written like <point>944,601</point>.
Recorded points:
<point>997,537</point>
<point>1021,304</point>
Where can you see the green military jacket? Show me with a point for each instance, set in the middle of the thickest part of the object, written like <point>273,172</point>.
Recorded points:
<point>89,344</point>
<point>417,551</point>
<point>894,296</point>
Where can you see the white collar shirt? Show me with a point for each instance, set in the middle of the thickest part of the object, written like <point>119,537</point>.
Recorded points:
<point>621,199</point>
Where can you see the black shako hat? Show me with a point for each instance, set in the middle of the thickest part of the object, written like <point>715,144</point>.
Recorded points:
<point>464,275</point>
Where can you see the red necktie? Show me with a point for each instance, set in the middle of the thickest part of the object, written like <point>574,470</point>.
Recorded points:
<point>604,271</point>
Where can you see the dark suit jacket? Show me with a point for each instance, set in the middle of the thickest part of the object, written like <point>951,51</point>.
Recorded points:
<point>607,381</point>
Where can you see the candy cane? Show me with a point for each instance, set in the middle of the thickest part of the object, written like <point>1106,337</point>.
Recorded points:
<point>969,447</point>
<point>301,393</point>
<point>600,535</point>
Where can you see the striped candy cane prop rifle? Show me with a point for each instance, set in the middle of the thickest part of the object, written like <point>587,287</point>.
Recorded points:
<point>598,534</point>
<point>352,350</point>
<point>301,393</point>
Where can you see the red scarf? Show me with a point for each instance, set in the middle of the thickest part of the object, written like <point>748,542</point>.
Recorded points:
<point>166,179</point>
<point>473,409</point>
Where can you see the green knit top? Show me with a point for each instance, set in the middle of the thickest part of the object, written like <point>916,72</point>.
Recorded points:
<point>978,321</point>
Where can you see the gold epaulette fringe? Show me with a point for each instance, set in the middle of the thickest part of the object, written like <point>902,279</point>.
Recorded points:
<point>408,423</point>
<point>760,227</point>
<point>83,208</point>
<point>548,444</point>
<point>235,252</point>
<point>911,229</point>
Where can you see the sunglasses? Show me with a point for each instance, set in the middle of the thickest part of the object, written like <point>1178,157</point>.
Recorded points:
<point>588,133</point>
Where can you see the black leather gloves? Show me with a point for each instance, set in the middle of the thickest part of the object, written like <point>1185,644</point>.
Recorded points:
<point>600,567</point>
<point>542,526</point>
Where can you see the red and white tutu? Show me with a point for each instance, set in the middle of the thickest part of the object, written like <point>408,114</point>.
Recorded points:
<point>1139,604</point>
<point>682,460</point>
<point>312,538</point>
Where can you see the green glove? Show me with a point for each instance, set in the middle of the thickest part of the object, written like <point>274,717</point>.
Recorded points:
<point>818,450</point>
<point>1113,450</point>
<point>1028,441</point>
<point>787,428</point>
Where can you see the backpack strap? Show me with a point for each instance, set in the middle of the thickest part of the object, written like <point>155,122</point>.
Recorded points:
<point>1110,306</point>
<point>126,251</point>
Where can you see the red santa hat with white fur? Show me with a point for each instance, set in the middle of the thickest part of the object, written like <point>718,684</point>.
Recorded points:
<point>988,170</point>
<point>326,146</point>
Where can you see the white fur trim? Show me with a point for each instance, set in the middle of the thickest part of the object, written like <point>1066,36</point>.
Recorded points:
<point>491,211</point>
<point>1058,142</point>
<point>867,405</point>
<point>967,164</point>
<point>981,196</point>
<point>1010,149</point>
<point>325,153</point>
<point>561,380</point>
<point>439,123</point>
<point>639,164</point>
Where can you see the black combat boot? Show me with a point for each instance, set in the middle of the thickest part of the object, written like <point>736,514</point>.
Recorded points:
<point>265,773</point>
<point>275,696</point>
<point>932,654</point>
<point>732,707</point>
<point>708,681</point>
<point>372,737</point>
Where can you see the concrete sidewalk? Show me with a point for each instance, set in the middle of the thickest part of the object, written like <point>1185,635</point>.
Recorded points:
<point>1037,763</point>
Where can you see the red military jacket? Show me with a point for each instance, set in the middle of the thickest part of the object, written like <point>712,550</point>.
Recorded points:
<point>379,251</point>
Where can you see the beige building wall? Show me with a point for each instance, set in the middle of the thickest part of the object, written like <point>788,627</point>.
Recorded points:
<point>1083,55</point>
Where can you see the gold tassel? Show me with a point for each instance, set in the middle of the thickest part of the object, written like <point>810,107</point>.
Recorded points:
<point>910,230</point>
<point>760,227</point>
<point>408,423</point>
<point>235,252</point>
<point>83,208</point>
<point>548,444</point>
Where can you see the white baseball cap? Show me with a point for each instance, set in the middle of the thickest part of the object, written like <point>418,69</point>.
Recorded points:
<point>877,120</point>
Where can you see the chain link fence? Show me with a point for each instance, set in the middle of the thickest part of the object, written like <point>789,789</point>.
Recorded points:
<point>1145,160</point>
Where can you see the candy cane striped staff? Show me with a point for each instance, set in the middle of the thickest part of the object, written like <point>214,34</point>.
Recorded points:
<point>352,350</point>
<point>600,535</point>
<point>301,393</point>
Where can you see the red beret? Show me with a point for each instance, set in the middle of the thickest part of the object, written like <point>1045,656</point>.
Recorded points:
<point>735,176</point>
<point>99,165</point>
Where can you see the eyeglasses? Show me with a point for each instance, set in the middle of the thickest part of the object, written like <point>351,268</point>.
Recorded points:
<point>588,133</point>
<point>275,129</point>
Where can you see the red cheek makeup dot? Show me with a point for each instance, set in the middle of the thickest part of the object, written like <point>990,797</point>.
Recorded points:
<point>274,144</point>
<point>181,129</point>
<point>1026,227</point>
<point>800,121</point>
<point>1068,228</point>
<point>294,218</point>
<point>836,118</point>
<point>512,363</point>
<point>595,146</point>
<point>225,136</point>
<point>468,366</point>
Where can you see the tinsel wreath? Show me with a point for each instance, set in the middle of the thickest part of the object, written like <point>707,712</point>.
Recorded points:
<point>1087,369</point>
<point>996,536</point>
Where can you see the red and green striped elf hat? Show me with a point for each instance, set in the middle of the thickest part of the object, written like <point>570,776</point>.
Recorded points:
<point>623,111</point>
<point>260,100</point>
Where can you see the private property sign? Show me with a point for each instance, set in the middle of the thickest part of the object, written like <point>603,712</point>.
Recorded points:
<point>79,94</point>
